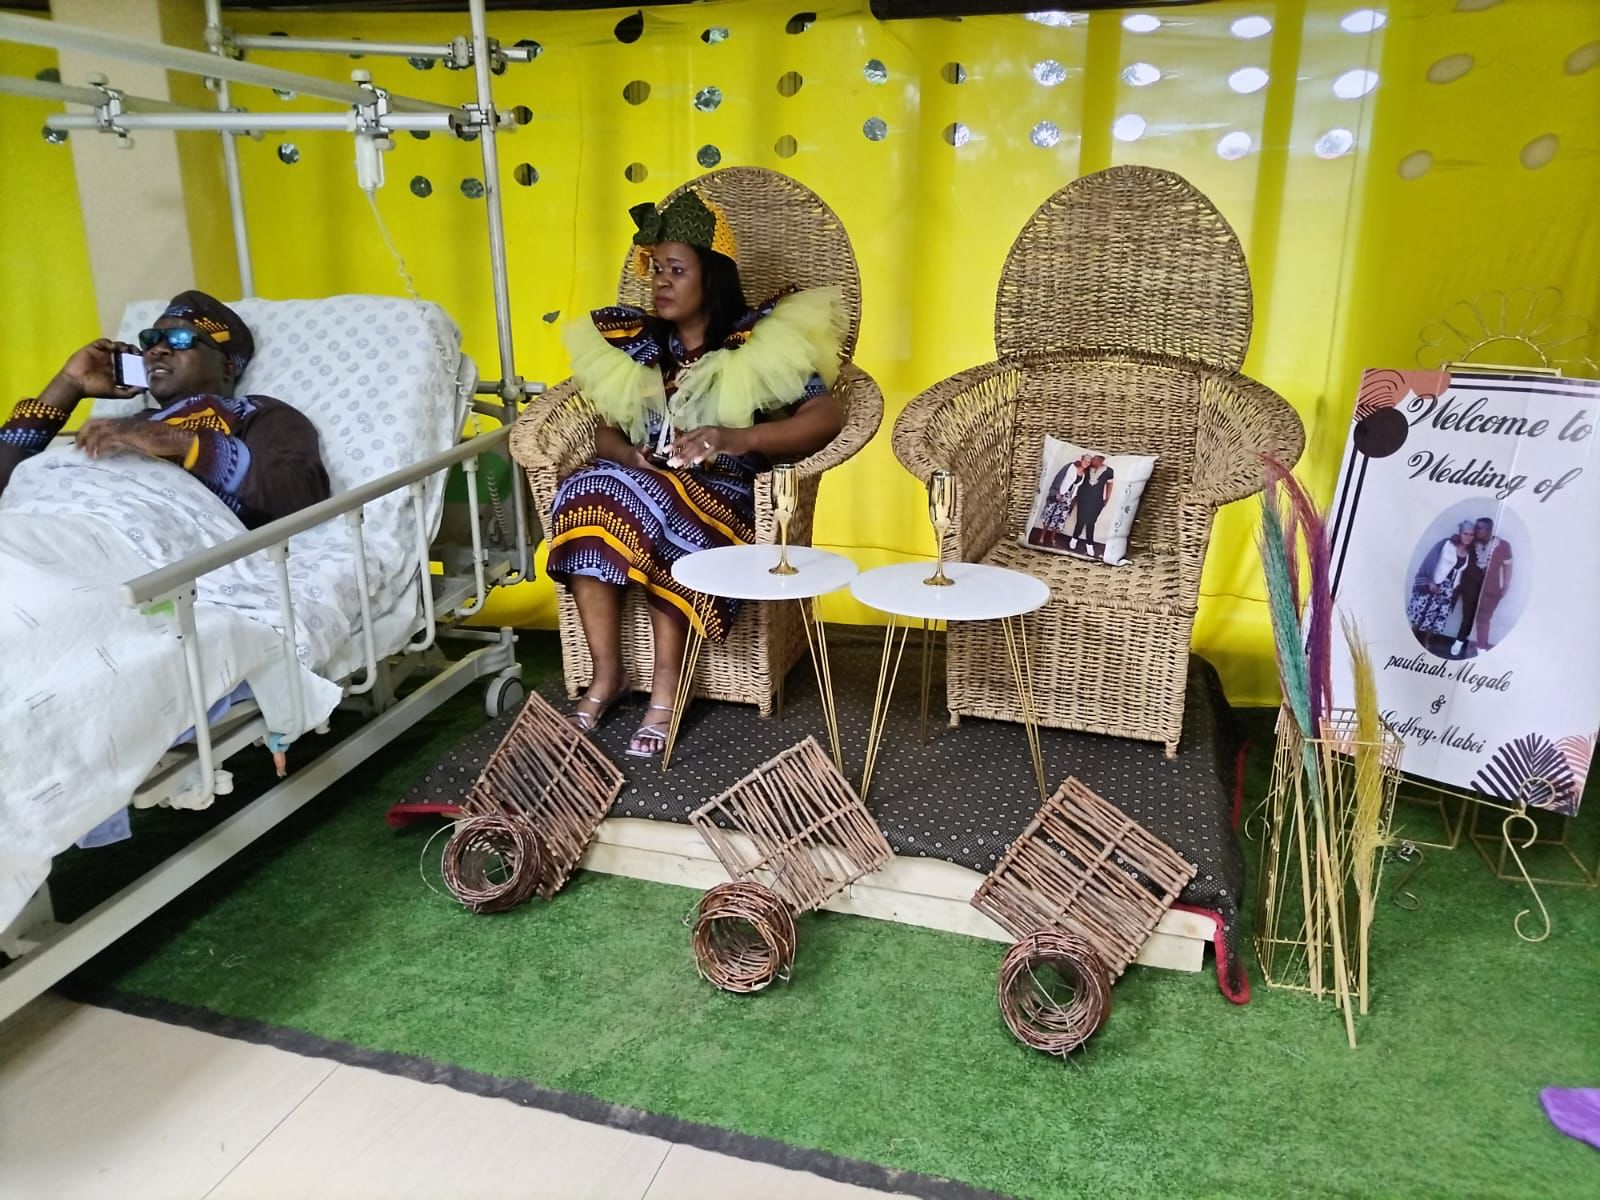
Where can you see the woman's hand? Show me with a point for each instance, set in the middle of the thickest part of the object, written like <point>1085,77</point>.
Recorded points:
<point>611,443</point>
<point>704,444</point>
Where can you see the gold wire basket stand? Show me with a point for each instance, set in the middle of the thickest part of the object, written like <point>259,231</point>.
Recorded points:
<point>1295,943</point>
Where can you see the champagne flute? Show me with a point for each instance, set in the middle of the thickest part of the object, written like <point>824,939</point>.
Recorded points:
<point>785,498</point>
<point>941,507</point>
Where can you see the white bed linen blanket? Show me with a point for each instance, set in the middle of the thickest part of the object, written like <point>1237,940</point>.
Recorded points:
<point>92,691</point>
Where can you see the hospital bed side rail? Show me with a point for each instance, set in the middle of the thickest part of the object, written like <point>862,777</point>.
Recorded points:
<point>173,586</point>
<point>157,584</point>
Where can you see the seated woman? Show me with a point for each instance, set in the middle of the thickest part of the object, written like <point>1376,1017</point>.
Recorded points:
<point>694,401</point>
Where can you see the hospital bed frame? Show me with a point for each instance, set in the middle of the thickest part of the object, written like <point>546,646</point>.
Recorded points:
<point>44,952</point>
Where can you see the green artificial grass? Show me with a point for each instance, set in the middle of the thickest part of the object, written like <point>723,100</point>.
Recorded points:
<point>887,1045</point>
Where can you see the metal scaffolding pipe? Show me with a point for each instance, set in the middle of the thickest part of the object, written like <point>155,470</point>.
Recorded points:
<point>200,120</point>
<point>516,54</point>
<point>341,46</point>
<point>230,163</point>
<point>31,31</point>
<point>40,89</point>
<point>491,197</point>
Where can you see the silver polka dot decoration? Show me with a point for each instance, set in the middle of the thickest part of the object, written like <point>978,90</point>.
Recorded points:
<point>1584,58</point>
<point>54,136</point>
<point>630,29</point>
<point>714,36</point>
<point>284,94</point>
<point>1540,152</point>
<point>957,134</point>
<point>800,22</point>
<point>472,188</point>
<point>1415,165</point>
<point>1054,18</point>
<point>708,156</point>
<point>1334,143</point>
<point>875,71</point>
<point>422,135</point>
<point>1141,74</point>
<point>1049,73</point>
<point>550,318</point>
<point>1234,146</point>
<point>421,62</point>
<point>1450,68</point>
<point>288,153</point>
<point>421,187</point>
<point>708,99</point>
<point>875,129</point>
<point>1045,134</point>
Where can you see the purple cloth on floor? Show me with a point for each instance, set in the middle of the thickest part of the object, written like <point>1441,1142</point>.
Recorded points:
<point>1574,1111</point>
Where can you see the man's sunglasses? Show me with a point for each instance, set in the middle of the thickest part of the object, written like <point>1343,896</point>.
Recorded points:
<point>177,339</point>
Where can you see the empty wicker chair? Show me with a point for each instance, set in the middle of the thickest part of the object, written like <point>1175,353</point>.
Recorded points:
<point>787,235</point>
<point>1122,319</point>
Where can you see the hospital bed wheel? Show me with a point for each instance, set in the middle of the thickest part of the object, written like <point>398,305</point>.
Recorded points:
<point>504,695</point>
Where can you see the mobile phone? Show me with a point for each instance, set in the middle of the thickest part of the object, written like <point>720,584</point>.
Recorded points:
<point>128,370</point>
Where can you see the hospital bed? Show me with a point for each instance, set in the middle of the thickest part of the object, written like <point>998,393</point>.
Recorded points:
<point>242,642</point>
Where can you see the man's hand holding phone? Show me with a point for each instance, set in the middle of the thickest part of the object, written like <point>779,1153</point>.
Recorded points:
<point>94,370</point>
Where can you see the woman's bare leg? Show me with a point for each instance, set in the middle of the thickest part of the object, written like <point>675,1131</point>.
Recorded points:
<point>668,635</point>
<point>600,609</point>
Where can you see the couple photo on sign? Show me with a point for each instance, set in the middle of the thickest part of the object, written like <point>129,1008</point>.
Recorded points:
<point>1457,589</point>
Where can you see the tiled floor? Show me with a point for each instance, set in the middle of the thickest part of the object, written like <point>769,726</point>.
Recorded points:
<point>98,1103</point>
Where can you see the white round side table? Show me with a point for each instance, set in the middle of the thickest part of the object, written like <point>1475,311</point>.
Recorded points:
<point>976,592</point>
<point>745,573</point>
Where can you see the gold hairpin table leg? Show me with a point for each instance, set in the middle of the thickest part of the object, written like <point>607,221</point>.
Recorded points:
<point>880,702</point>
<point>1022,672</point>
<point>817,643</point>
<point>691,655</point>
<point>927,677</point>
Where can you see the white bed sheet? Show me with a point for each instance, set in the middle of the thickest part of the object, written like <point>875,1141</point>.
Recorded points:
<point>92,692</point>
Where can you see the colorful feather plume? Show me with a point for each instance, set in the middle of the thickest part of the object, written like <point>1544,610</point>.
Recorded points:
<point>1305,672</point>
<point>1307,528</point>
<point>1276,565</point>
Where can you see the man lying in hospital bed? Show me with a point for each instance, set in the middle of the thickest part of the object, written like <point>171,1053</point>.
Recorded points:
<point>258,454</point>
<point>93,691</point>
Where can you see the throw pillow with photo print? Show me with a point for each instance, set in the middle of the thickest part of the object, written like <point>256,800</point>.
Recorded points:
<point>1086,501</point>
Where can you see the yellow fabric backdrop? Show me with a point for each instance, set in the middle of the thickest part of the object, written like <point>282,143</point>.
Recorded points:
<point>46,290</point>
<point>1364,215</point>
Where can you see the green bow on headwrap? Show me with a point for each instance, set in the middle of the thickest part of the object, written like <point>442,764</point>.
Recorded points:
<point>689,219</point>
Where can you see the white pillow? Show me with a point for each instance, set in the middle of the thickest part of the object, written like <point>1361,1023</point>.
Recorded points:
<point>1086,501</point>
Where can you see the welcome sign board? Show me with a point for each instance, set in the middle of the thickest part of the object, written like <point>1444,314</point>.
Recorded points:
<point>1466,545</point>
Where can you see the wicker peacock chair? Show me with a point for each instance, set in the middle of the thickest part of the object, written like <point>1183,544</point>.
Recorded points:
<point>1123,317</point>
<point>786,235</point>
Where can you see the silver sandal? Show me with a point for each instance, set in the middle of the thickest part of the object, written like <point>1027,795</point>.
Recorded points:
<point>650,732</point>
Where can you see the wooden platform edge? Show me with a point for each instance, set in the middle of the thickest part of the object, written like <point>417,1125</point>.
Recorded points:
<point>925,892</point>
